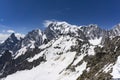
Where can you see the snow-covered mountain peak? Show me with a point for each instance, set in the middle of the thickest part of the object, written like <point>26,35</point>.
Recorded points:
<point>34,32</point>
<point>12,38</point>
<point>56,23</point>
<point>94,33</point>
<point>19,36</point>
<point>62,52</point>
<point>12,35</point>
<point>116,30</point>
<point>117,26</point>
<point>35,37</point>
<point>93,25</point>
<point>16,35</point>
<point>56,29</point>
<point>9,43</point>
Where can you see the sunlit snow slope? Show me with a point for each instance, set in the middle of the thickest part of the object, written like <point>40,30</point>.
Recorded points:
<point>61,62</point>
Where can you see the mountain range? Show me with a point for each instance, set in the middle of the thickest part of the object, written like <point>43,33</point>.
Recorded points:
<point>62,52</point>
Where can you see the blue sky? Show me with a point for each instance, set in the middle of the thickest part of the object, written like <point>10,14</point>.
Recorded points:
<point>24,15</point>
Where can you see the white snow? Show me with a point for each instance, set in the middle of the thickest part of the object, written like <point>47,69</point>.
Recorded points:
<point>48,22</point>
<point>45,71</point>
<point>107,68</point>
<point>2,41</point>
<point>55,67</point>
<point>79,59</point>
<point>61,42</point>
<point>44,37</point>
<point>32,44</point>
<point>95,41</point>
<point>91,50</point>
<point>68,75</point>
<point>35,57</point>
<point>20,52</point>
<point>19,35</point>
<point>88,69</point>
<point>50,71</point>
<point>116,69</point>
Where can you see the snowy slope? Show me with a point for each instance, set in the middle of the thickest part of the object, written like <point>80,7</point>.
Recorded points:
<point>59,58</point>
<point>116,69</point>
<point>95,41</point>
<point>33,39</point>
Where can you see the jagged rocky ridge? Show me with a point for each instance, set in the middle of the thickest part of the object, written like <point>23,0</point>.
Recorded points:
<point>9,43</point>
<point>61,52</point>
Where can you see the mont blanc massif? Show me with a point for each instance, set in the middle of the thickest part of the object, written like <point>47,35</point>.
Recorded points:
<point>62,52</point>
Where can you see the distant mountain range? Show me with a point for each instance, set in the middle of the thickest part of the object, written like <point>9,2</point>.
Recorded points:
<point>62,52</point>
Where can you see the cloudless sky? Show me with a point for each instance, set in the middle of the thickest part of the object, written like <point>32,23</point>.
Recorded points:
<point>25,15</point>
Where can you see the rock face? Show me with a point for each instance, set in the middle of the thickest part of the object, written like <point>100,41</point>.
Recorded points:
<point>115,31</point>
<point>35,37</point>
<point>61,52</point>
<point>93,31</point>
<point>9,43</point>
